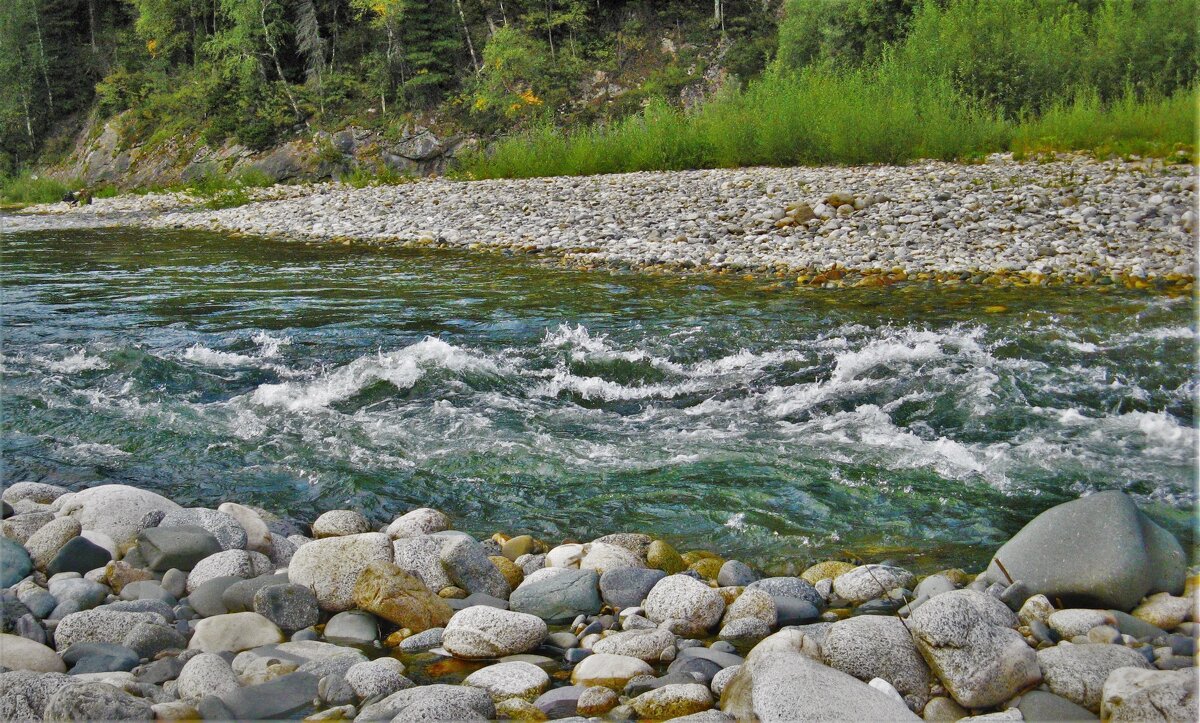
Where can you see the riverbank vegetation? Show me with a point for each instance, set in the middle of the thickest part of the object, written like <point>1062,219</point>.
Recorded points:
<point>579,86</point>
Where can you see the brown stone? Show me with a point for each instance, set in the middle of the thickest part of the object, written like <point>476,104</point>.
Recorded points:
<point>398,597</point>
<point>119,574</point>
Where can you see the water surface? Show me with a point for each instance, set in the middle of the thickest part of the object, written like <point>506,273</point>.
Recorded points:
<point>919,424</point>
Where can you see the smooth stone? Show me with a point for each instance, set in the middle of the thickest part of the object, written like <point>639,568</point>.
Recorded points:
<point>755,604</point>
<point>1131,694</point>
<point>1078,621</point>
<point>560,703</point>
<point>1164,610</point>
<point>178,548</point>
<point>934,585</point>
<point>1063,553</point>
<point>735,573</point>
<point>229,563</point>
<point>39,602</point>
<point>352,627</point>
<point>225,527</point>
<point>144,606</point>
<point>19,653</point>
<point>208,599</point>
<point>879,647</point>
<point>510,680</point>
<point>269,701</point>
<point>568,555</point>
<point>673,701</point>
<point>1078,672</point>
<point>338,523</point>
<point>100,625</point>
<point>868,582</point>
<point>100,658</point>
<point>206,674</point>
<point>39,492</point>
<point>1140,629</point>
<point>45,543</point>
<point>96,701</point>
<point>400,598</point>
<point>486,632</point>
<point>790,587</point>
<point>421,521</point>
<point>147,590</point>
<point>20,527</point>
<point>234,632</point>
<point>558,594</point>
<point>258,536</point>
<point>628,587</point>
<point>308,655</point>
<point>468,565</point>
<point>239,597</point>
<point>943,710</point>
<point>602,557</point>
<point>331,566</point>
<point>596,701</point>
<point>432,703</point>
<point>967,639</point>
<point>1045,707</point>
<point>692,606</point>
<point>744,630</point>
<point>421,642</point>
<point>477,598</point>
<point>793,611</point>
<point>647,645</point>
<point>793,687</point>
<point>291,607</point>
<point>420,556</point>
<point>15,563</point>
<point>515,547</point>
<point>86,593</point>
<point>610,671</point>
<point>380,677</point>
<point>116,510</point>
<point>150,639</point>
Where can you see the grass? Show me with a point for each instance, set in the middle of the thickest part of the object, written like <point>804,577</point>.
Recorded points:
<point>29,188</point>
<point>828,116</point>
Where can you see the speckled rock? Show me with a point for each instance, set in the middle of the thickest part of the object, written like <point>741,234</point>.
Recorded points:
<point>258,535</point>
<point>793,687</point>
<point>337,523</point>
<point>628,587</point>
<point>967,639</point>
<point>206,674</point>
<point>469,567</point>
<point>230,563</point>
<point>432,703</point>
<point>1164,610</point>
<point>45,543</point>
<point>418,522</point>
<point>647,645</point>
<point>790,587</point>
<point>487,632</point>
<point>399,597</point>
<point>1078,672</point>
<point>1134,694</point>
<point>38,492</point>
<point>24,693</point>
<point>868,582</point>
<point>331,566</point>
<point>100,626</point>
<point>557,594</point>
<point>20,528</point>
<point>827,570</point>
<point>692,606</point>
<point>382,676</point>
<point>875,646</point>
<point>225,527</point>
<point>596,701</point>
<point>672,701</point>
<point>1078,621</point>
<point>611,671</point>
<point>510,680</point>
<point>568,555</point>
<point>662,556</point>
<point>116,510</point>
<point>735,573</point>
<point>602,556</point>
<point>753,604</point>
<point>420,555</point>
<point>96,701</point>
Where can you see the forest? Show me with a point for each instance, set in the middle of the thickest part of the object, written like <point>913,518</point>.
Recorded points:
<point>800,80</point>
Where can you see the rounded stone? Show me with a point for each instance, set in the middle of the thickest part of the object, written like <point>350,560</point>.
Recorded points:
<point>874,646</point>
<point>420,555</point>
<point>352,627</point>
<point>39,492</point>
<point>1077,621</point>
<point>487,632</point>
<point>234,632</point>
<point>1078,672</point>
<point>558,594</point>
<point>610,671</point>
<point>421,521</point>
<point>647,645</point>
<point>827,570</point>
<point>601,557</point>
<point>673,701</point>
<point>1133,694</point>
<point>380,677</point>
<point>510,680</point>
<point>258,535</point>
<point>206,674</point>
<point>693,606</point>
<point>230,563</point>
<point>44,544</point>
<point>224,527</point>
<point>661,556</point>
<point>100,626</point>
<point>338,523</point>
<point>96,701</point>
<point>399,597</point>
<point>868,582</point>
<point>735,573</point>
<point>596,701</point>
<point>18,653</point>
<point>331,566</point>
<point>755,604</point>
<point>628,587</point>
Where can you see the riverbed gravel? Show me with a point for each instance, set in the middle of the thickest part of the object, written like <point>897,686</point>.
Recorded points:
<point>1089,609</point>
<point>1071,219</point>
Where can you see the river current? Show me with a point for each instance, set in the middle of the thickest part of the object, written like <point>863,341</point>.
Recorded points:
<point>923,425</point>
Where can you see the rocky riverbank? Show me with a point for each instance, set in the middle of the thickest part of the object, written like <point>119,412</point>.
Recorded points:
<point>120,604</point>
<point>1073,220</point>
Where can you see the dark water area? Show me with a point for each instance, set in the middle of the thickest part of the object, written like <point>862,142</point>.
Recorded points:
<point>781,426</point>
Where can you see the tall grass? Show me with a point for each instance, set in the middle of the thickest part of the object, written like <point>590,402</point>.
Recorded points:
<point>27,188</point>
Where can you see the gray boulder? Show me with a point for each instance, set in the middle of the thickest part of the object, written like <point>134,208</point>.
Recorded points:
<point>469,567</point>
<point>24,693</point>
<point>15,563</point>
<point>791,587</point>
<point>180,548</point>
<point>432,703</point>
<point>1078,672</point>
<point>967,639</point>
<point>221,525</point>
<point>790,686</point>
<point>629,586</point>
<point>558,594</point>
<point>96,701</point>
<point>874,646</point>
<point>291,607</point>
<point>1040,706</point>
<point>1133,694</point>
<point>1098,551</point>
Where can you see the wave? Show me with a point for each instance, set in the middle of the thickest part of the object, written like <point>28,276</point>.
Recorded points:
<point>77,362</point>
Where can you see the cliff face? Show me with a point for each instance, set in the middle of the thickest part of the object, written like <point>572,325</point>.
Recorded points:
<point>101,157</point>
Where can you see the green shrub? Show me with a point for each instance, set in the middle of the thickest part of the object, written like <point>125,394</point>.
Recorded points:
<point>27,188</point>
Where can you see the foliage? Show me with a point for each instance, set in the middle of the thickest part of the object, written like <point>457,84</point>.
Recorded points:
<point>27,188</point>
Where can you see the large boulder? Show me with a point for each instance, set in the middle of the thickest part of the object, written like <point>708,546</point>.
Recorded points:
<point>1134,694</point>
<point>557,594</point>
<point>330,567</point>
<point>690,605</point>
<point>420,555</point>
<point>868,582</point>
<point>487,632</point>
<point>647,645</point>
<point>1097,551</point>
<point>432,703</point>
<point>180,547</point>
<point>968,640</point>
<point>470,568</point>
<point>96,701</point>
<point>418,522</point>
<point>229,563</point>
<point>629,586</point>
<point>221,525</point>
<point>24,693</point>
<point>789,686</point>
<point>118,511</point>
<point>398,597</point>
<point>1078,672</point>
<point>100,626</point>
<point>876,646</point>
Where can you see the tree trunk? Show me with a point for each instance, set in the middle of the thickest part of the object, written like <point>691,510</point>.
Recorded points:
<point>262,16</point>
<point>37,24</point>
<point>470,46</point>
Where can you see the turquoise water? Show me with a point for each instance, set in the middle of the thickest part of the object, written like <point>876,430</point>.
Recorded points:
<point>783,426</point>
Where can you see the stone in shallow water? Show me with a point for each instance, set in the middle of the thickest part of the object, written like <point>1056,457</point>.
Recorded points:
<point>432,702</point>
<point>421,521</point>
<point>611,671</point>
<point>560,702</point>
<point>647,645</point>
<point>868,582</point>
<point>673,701</point>
<point>336,523</point>
<point>510,680</point>
<point>352,627</point>
<point>1066,553</point>
<point>692,606</point>
<point>383,676</point>
<point>735,573</point>
<point>234,632</point>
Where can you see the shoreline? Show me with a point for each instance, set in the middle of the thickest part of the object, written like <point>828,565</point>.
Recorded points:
<point>1073,221</point>
<point>236,613</point>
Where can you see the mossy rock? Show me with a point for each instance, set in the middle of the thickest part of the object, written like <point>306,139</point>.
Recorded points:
<point>661,556</point>
<point>513,574</point>
<point>827,570</point>
<point>707,567</point>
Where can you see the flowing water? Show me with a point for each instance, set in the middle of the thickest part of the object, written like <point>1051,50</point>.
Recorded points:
<point>924,425</point>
